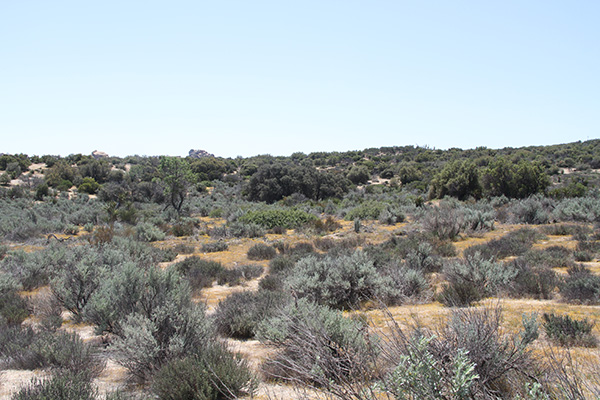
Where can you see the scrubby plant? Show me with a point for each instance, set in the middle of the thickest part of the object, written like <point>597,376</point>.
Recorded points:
<point>240,313</point>
<point>28,269</point>
<point>443,222</point>
<point>423,259</point>
<point>184,248</point>
<point>467,358</point>
<point>213,374</point>
<point>75,283</point>
<point>165,324</point>
<point>315,345</point>
<point>583,256</point>
<point>369,210</point>
<point>531,280</point>
<point>237,275</point>
<point>200,273</point>
<point>213,247</point>
<point>472,279</point>
<point>514,243</point>
<point>581,285</point>
<point>61,385</point>
<point>261,251</point>
<point>342,281</point>
<point>418,374</point>
<point>409,285</point>
<point>148,232</point>
<point>567,331</point>
<point>535,210</point>
<point>13,308</point>
<point>272,217</point>
<point>184,227</point>
<point>585,209</point>
<point>24,348</point>
<point>237,229</point>
<point>553,257</point>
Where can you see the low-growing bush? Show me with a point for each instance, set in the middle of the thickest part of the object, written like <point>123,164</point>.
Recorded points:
<point>472,279</point>
<point>583,256</point>
<point>27,349</point>
<point>562,229</point>
<point>272,217</point>
<point>423,259</point>
<point>552,257</point>
<point>391,216</point>
<point>200,273</point>
<point>184,227</point>
<point>13,308</point>
<point>324,226</point>
<point>469,357</point>
<point>29,269</point>
<point>581,286</point>
<point>369,210</point>
<point>213,247</point>
<point>261,251</point>
<point>184,248</point>
<point>514,243</point>
<point>282,264</point>
<point>567,331</point>
<point>535,210</point>
<point>237,275</point>
<point>237,229</point>
<point>315,345</point>
<point>240,313</point>
<point>215,373</point>
<point>341,281</point>
<point>148,232</point>
<point>61,385</point>
<point>71,230</point>
<point>531,280</point>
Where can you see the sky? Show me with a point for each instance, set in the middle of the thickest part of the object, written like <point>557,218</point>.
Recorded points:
<point>242,78</point>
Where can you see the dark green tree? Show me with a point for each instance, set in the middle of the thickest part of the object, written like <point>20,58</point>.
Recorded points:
<point>176,176</point>
<point>458,179</point>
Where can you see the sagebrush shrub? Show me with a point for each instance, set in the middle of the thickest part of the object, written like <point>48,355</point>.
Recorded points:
<point>13,308</point>
<point>62,385</point>
<point>200,273</point>
<point>581,285</point>
<point>213,247</point>
<point>567,331</point>
<point>314,344</point>
<point>468,357</point>
<point>514,243</point>
<point>148,232</point>
<point>532,280</point>
<point>261,251</point>
<point>342,281</point>
<point>239,274</point>
<point>240,313</point>
<point>472,279</point>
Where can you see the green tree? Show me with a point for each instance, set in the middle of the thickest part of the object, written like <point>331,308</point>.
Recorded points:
<point>359,174</point>
<point>458,179</point>
<point>176,176</point>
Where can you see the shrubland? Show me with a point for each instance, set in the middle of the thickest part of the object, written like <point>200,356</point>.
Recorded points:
<point>302,252</point>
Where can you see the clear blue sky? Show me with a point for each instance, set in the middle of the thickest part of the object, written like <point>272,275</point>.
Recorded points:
<point>256,77</point>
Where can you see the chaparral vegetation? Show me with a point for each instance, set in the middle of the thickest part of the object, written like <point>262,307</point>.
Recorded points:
<point>387,273</point>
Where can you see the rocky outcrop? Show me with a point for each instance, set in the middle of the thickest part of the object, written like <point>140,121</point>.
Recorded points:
<point>99,154</point>
<point>199,154</point>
